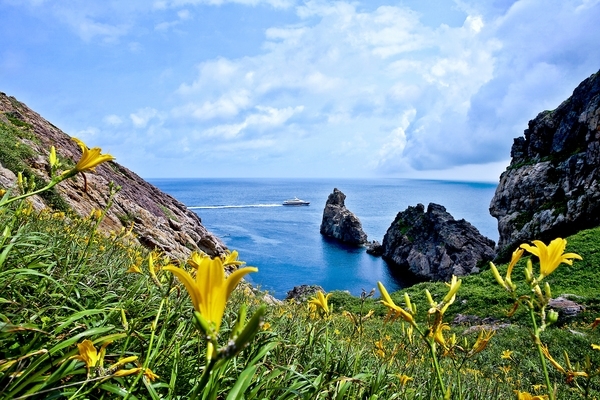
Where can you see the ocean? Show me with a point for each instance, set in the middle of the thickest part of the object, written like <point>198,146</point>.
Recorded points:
<point>284,243</point>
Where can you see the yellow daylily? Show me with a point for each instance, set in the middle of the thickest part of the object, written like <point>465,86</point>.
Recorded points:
<point>507,354</point>
<point>482,341</point>
<point>516,256</point>
<point>52,157</point>
<point>320,302</point>
<point>528,396</point>
<point>231,258</point>
<point>394,311</point>
<point>404,379</point>
<point>89,355</point>
<point>550,256</point>
<point>196,259</point>
<point>210,290</point>
<point>90,158</point>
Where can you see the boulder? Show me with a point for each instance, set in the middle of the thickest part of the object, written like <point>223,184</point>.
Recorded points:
<point>375,249</point>
<point>301,294</point>
<point>433,245</point>
<point>159,220</point>
<point>339,223</point>
<point>552,186</point>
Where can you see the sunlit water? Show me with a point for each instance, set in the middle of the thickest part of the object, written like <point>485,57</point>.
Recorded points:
<point>285,243</point>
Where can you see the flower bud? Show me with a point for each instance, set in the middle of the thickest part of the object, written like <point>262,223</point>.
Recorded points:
<point>552,316</point>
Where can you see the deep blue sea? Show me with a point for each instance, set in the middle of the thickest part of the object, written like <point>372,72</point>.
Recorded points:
<point>284,243</point>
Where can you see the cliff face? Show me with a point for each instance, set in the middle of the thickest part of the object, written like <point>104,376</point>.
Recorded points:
<point>160,221</point>
<point>339,223</point>
<point>433,245</point>
<point>552,185</point>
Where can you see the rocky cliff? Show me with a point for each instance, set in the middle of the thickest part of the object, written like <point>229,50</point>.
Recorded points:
<point>339,223</point>
<point>433,245</point>
<point>159,220</point>
<point>552,186</point>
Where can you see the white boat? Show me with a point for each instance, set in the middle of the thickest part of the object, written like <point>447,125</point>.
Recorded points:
<point>296,202</point>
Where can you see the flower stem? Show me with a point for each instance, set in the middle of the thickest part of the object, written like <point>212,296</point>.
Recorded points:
<point>538,343</point>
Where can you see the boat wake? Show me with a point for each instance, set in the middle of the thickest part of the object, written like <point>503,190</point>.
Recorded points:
<point>234,206</point>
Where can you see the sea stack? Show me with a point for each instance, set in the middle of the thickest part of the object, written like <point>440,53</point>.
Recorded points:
<point>433,245</point>
<point>339,223</point>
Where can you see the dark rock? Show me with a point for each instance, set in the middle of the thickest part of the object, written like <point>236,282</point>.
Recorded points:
<point>375,248</point>
<point>301,294</point>
<point>339,223</point>
<point>432,245</point>
<point>552,185</point>
<point>566,308</point>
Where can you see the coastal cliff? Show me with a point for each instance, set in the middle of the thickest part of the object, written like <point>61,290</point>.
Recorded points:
<point>159,221</point>
<point>552,186</point>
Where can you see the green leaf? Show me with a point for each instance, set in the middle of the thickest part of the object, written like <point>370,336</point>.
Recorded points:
<point>244,380</point>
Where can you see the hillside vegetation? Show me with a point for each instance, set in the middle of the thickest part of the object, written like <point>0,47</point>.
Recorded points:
<point>85,315</point>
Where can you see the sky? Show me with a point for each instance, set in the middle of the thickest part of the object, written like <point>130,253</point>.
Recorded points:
<point>434,89</point>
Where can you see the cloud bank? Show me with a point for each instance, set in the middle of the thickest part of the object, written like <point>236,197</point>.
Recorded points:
<point>341,88</point>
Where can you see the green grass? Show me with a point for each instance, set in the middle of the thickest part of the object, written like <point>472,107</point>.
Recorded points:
<point>16,155</point>
<point>61,282</point>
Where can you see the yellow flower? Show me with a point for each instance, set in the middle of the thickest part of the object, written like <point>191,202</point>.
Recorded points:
<point>89,355</point>
<point>404,379</point>
<point>394,311</point>
<point>551,256</point>
<point>482,341</point>
<point>196,259</point>
<point>231,258</point>
<point>52,158</point>
<point>266,326</point>
<point>552,360</point>
<point>135,269</point>
<point>438,334</point>
<point>147,373</point>
<point>527,396</point>
<point>153,255</point>
<point>90,158</point>
<point>595,347</point>
<point>320,302</point>
<point>210,290</point>
<point>507,355</point>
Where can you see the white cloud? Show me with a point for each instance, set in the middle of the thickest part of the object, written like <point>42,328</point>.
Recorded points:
<point>264,118</point>
<point>113,120</point>
<point>228,105</point>
<point>141,118</point>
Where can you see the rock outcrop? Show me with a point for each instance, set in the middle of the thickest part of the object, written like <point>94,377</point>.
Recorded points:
<point>301,294</point>
<point>339,223</point>
<point>552,186</point>
<point>433,245</point>
<point>159,220</point>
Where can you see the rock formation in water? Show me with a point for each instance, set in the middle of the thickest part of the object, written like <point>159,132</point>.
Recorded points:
<point>339,223</point>
<point>159,220</point>
<point>433,245</point>
<point>552,186</point>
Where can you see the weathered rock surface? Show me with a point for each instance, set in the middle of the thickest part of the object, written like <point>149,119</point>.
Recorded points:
<point>567,309</point>
<point>339,223</point>
<point>301,294</point>
<point>552,185</point>
<point>160,221</point>
<point>375,248</point>
<point>433,245</point>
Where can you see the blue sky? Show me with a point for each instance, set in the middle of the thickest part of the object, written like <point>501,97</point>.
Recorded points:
<point>288,88</point>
